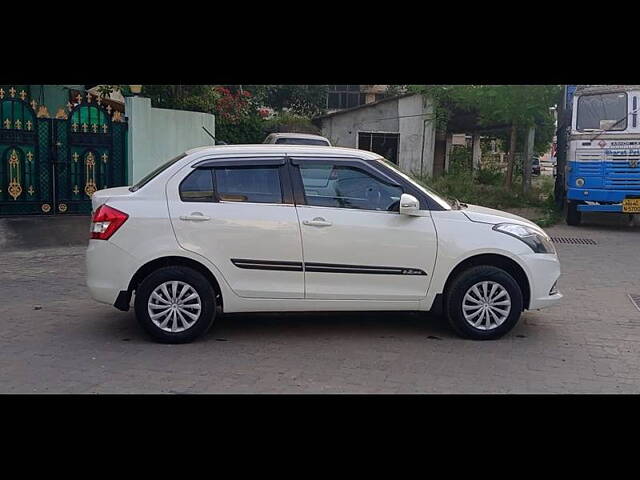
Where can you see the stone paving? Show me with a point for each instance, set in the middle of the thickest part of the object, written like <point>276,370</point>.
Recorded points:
<point>55,339</point>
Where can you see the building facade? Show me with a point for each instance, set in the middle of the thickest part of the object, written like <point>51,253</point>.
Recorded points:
<point>400,128</point>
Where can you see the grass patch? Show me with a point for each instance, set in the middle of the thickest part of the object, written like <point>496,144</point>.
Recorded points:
<point>487,189</point>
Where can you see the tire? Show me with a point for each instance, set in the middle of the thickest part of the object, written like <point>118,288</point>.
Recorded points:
<point>184,328</point>
<point>489,328</point>
<point>574,217</point>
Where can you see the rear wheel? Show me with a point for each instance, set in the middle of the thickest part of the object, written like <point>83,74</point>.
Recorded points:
<point>175,304</point>
<point>484,303</point>
<point>574,217</point>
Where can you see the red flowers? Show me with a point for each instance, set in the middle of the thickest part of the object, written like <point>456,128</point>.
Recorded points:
<point>232,106</point>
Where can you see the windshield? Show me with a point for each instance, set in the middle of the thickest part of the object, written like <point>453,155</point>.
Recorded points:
<point>146,179</point>
<point>432,193</point>
<point>302,141</point>
<point>601,112</point>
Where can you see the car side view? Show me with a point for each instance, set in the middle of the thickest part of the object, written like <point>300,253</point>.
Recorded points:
<point>275,228</point>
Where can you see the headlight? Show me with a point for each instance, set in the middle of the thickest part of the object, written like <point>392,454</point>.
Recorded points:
<point>579,182</point>
<point>537,240</point>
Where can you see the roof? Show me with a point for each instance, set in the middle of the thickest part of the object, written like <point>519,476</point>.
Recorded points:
<point>584,89</point>
<point>296,135</point>
<point>283,149</point>
<point>366,105</point>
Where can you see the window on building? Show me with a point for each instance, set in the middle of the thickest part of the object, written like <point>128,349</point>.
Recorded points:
<point>344,96</point>
<point>385,144</point>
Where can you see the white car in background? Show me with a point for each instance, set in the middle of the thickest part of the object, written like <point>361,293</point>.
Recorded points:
<point>297,139</point>
<point>275,228</point>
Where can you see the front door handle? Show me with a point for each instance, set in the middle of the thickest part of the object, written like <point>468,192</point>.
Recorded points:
<point>317,222</point>
<point>195,217</point>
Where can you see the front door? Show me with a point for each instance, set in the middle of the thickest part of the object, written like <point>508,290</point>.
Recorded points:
<point>356,244</point>
<point>241,217</point>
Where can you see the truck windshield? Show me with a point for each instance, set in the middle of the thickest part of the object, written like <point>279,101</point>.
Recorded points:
<point>601,112</point>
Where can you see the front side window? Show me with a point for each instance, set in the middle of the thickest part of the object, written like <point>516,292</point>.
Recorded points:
<point>439,199</point>
<point>601,112</point>
<point>248,184</point>
<point>342,186</point>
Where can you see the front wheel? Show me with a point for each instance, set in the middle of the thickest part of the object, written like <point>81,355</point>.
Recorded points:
<point>574,216</point>
<point>484,303</point>
<point>175,304</point>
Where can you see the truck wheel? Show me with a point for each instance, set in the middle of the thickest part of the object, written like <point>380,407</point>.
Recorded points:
<point>574,217</point>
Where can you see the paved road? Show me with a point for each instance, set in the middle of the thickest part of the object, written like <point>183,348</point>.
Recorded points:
<point>55,339</point>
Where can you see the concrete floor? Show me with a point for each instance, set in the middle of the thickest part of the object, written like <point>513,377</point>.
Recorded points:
<point>56,339</point>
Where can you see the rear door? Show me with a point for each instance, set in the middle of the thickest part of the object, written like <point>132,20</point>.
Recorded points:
<point>239,214</point>
<point>356,244</point>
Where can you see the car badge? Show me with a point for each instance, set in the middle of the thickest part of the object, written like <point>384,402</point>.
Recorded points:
<point>633,163</point>
<point>602,143</point>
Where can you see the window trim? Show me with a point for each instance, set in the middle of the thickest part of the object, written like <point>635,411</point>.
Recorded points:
<point>298,184</point>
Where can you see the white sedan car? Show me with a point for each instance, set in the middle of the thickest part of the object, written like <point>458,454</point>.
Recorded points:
<point>274,228</point>
<point>297,139</point>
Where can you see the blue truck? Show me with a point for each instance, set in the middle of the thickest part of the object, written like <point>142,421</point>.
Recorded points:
<point>598,150</point>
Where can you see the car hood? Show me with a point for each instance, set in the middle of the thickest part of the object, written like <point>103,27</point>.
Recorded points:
<point>479,214</point>
<point>103,196</point>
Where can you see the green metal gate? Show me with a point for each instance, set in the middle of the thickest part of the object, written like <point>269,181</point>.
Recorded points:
<point>53,165</point>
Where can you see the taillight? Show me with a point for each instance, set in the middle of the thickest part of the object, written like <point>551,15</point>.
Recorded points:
<point>106,221</point>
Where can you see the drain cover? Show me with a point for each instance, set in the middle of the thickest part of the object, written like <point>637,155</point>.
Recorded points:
<point>635,299</point>
<point>574,240</point>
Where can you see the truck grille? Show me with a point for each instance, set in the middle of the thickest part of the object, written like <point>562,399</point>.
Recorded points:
<point>616,170</point>
<point>620,174</point>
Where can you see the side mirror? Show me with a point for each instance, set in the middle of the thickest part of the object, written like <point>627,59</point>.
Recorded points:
<point>409,205</point>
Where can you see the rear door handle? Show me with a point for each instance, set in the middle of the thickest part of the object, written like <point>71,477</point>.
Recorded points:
<point>317,222</point>
<point>195,217</point>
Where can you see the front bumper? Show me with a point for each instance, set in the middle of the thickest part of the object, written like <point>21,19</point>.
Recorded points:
<point>543,270</point>
<point>600,195</point>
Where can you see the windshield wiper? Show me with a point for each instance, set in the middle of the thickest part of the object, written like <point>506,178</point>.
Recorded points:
<point>458,204</point>
<point>615,124</point>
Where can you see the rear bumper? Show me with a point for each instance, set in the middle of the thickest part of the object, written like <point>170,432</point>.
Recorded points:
<point>109,271</point>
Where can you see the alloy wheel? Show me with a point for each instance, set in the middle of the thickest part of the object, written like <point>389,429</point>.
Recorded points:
<point>486,305</point>
<point>174,306</point>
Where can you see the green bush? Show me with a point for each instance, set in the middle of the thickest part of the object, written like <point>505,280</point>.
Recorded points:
<point>249,129</point>
<point>290,123</point>
<point>491,191</point>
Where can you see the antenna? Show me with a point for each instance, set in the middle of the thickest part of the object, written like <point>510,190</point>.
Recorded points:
<point>219,142</point>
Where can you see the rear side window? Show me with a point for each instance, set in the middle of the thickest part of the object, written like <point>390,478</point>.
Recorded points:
<point>248,184</point>
<point>197,187</point>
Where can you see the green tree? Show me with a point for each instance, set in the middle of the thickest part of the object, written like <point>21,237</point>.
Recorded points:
<point>305,100</point>
<point>196,98</point>
<point>516,107</point>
